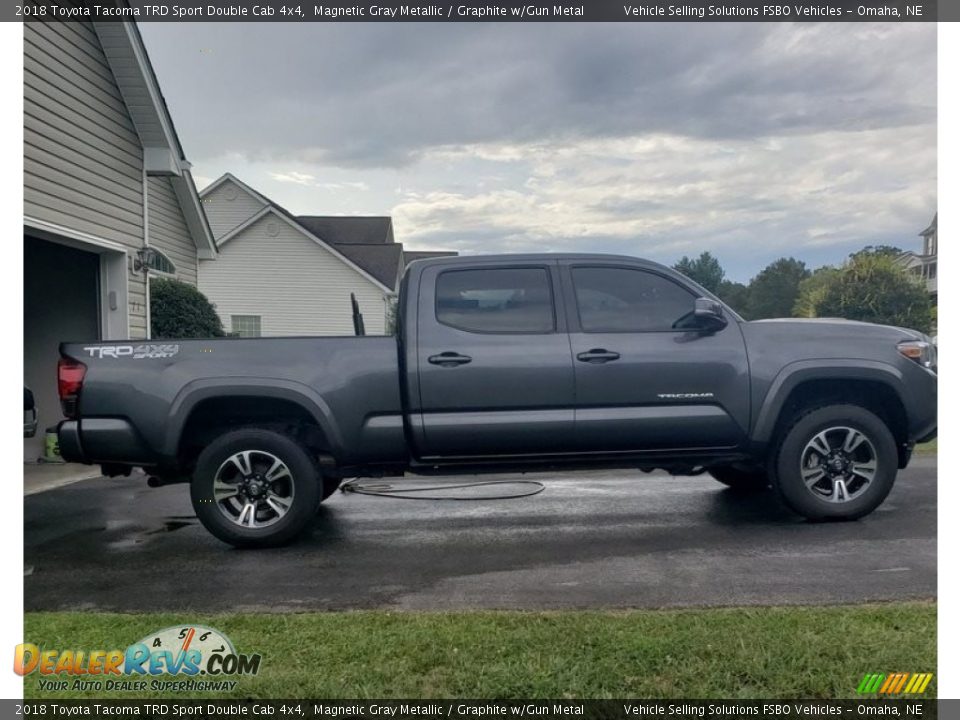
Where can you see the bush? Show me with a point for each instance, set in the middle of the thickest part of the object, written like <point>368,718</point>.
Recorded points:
<point>179,311</point>
<point>810,292</point>
<point>873,288</point>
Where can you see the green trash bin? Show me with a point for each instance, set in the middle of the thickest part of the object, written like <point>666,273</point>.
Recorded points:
<point>51,446</point>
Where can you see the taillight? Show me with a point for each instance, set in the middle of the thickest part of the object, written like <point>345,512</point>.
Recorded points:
<point>69,382</point>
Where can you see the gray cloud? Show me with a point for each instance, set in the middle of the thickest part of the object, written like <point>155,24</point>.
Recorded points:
<point>378,95</point>
<point>752,141</point>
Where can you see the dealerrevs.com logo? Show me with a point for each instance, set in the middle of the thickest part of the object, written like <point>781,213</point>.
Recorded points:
<point>204,657</point>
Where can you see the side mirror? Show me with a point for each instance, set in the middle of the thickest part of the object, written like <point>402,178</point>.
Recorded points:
<point>709,314</point>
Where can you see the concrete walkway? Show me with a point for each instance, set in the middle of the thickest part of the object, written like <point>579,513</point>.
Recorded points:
<point>39,477</point>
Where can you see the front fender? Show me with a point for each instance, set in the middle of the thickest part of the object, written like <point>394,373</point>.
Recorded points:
<point>197,391</point>
<point>802,371</point>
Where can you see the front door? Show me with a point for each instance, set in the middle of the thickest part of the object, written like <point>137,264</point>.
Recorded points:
<point>495,372</point>
<point>646,377</point>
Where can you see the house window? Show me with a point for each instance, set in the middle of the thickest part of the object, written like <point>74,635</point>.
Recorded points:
<point>245,325</point>
<point>151,260</point>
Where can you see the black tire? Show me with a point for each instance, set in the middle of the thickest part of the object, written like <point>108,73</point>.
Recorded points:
<point>786,471</point>
<point>303,487</point>
<point>329,486</point>
<point>741,478</point>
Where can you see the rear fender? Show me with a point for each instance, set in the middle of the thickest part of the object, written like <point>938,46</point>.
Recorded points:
<point>196,392</point>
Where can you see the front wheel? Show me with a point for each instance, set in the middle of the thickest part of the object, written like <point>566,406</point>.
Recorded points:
<point>255,488</point>
<point>836,462</point>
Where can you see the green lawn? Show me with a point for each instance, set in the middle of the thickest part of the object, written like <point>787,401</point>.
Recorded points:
<point>810,652</point>
<point>929,448</point>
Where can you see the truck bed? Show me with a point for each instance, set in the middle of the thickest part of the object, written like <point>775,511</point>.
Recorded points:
<point>351,385</point>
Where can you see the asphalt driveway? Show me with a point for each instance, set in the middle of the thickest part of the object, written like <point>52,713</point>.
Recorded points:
<point>599,540</point>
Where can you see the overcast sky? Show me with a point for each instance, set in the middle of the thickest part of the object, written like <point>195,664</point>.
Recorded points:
<point>750,140</point>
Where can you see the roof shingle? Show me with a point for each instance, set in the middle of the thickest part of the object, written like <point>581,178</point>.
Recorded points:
<point>344,229</point>
<point>381,261</point>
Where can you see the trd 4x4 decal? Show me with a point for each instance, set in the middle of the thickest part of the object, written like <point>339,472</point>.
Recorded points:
<point>136,352</point>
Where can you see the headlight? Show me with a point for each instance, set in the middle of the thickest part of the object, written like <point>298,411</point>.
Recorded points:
<point>921,352</point>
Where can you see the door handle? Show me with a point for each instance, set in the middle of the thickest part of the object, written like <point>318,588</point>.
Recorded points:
<point>597,356</point>
<point>449,359</point>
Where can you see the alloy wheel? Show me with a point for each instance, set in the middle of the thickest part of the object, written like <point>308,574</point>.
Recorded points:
<point>253,489</point>
<point>838,464</point>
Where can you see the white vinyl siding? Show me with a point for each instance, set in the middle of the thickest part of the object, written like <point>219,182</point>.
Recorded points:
<point>83,162</point>
<point>168,229</point>
<point>296,286</point>
<point>224,214</point>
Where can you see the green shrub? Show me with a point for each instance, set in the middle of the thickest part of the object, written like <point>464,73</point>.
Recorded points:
<point>874,288</point>
<point>179,311</point>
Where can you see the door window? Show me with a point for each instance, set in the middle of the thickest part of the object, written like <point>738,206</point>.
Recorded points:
<point>611,299</point>
<point>496,300</point>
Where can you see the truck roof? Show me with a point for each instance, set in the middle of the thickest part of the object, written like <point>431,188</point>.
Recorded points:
<point>478,259</point>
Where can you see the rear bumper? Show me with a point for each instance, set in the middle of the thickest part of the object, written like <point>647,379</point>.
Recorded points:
<point>102,440</point>
<point>68,437</point>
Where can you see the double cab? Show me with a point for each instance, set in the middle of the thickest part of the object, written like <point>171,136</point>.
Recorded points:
<point>503,363</point>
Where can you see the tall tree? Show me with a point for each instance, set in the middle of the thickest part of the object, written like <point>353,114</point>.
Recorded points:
<point>705,270</point>
<point>888,250</point>
<point>875,288</point>
<point>773,292</point>
<point>736,295</point>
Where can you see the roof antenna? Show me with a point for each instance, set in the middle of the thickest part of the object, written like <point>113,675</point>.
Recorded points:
<point>358,328</point>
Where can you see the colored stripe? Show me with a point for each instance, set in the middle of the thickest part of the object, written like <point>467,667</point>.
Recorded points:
<point>894,683</point>
<point>903,679</point>
<point>894,679</point>
<point>914,681</point>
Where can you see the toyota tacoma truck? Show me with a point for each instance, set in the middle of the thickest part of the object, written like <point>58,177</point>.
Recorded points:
<point>507,363</point>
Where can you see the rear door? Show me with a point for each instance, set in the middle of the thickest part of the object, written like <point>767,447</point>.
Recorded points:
<point>494,364</point>
<point>646,378</point>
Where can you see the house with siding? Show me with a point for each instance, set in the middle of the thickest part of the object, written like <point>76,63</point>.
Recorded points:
<point>109,201</point>
<point>277,273</point>
<point>924,263</point>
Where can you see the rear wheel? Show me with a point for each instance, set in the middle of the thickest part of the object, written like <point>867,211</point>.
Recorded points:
<point>741,477</point>
<point>836,462</point>
<point>255,487</point>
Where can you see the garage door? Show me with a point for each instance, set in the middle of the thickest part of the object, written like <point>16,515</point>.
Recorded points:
<point>60,302</point>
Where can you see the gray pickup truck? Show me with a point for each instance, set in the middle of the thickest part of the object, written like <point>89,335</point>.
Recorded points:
<point>523,362</point>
